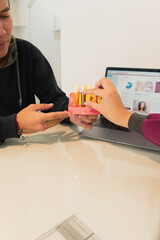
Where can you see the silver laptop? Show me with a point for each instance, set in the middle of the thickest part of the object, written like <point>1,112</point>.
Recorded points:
<point>139,90</point>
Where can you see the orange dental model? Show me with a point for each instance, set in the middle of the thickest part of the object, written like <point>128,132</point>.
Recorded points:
<point>77,100</point>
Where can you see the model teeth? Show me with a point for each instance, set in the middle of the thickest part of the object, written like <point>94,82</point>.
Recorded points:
<point>79,98</point>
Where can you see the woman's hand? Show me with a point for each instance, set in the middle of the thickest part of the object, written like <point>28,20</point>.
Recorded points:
<point>111,106</point>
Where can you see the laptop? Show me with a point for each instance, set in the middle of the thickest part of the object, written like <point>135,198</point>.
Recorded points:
<point>134,85</point>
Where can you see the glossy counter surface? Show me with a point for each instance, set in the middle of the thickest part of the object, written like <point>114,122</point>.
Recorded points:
<point>114,189</point>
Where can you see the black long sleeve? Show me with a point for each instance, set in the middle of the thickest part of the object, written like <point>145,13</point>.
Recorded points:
<point>8,128</point>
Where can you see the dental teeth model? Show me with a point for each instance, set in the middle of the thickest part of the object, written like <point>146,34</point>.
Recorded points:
<point>78,98</point>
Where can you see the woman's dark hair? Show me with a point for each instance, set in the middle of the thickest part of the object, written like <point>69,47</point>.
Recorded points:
<point>139,106</point>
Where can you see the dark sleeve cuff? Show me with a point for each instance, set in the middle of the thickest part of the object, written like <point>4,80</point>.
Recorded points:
<point>135,123</point>
<point>8,127</point>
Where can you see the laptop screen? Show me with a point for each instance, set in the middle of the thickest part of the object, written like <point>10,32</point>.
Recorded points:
<point>139,89</point>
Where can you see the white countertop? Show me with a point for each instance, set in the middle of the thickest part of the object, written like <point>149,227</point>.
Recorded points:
<point>114,189</point>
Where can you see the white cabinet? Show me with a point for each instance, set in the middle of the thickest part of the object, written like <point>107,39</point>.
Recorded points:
<point>19,13</point>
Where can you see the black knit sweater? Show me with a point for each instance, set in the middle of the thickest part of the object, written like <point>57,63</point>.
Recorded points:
<point>36,78</point>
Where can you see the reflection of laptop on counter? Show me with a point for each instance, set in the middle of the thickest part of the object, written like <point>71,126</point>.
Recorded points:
<point>139,90</point>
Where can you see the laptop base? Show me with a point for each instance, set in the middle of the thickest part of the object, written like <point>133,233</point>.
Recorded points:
<point>117,136</point>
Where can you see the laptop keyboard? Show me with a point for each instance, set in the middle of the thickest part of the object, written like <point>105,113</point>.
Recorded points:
<point>105,123</point>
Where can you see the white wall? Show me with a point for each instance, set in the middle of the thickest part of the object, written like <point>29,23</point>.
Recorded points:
<point>100,33</point>
<point>42,24</point>
<point>19,12</point>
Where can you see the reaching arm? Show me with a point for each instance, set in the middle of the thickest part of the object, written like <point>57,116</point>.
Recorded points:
<point>113,109</point>
<point>148,126</point>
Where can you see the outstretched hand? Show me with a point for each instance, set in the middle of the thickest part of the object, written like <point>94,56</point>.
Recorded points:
<point>32,120</point>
